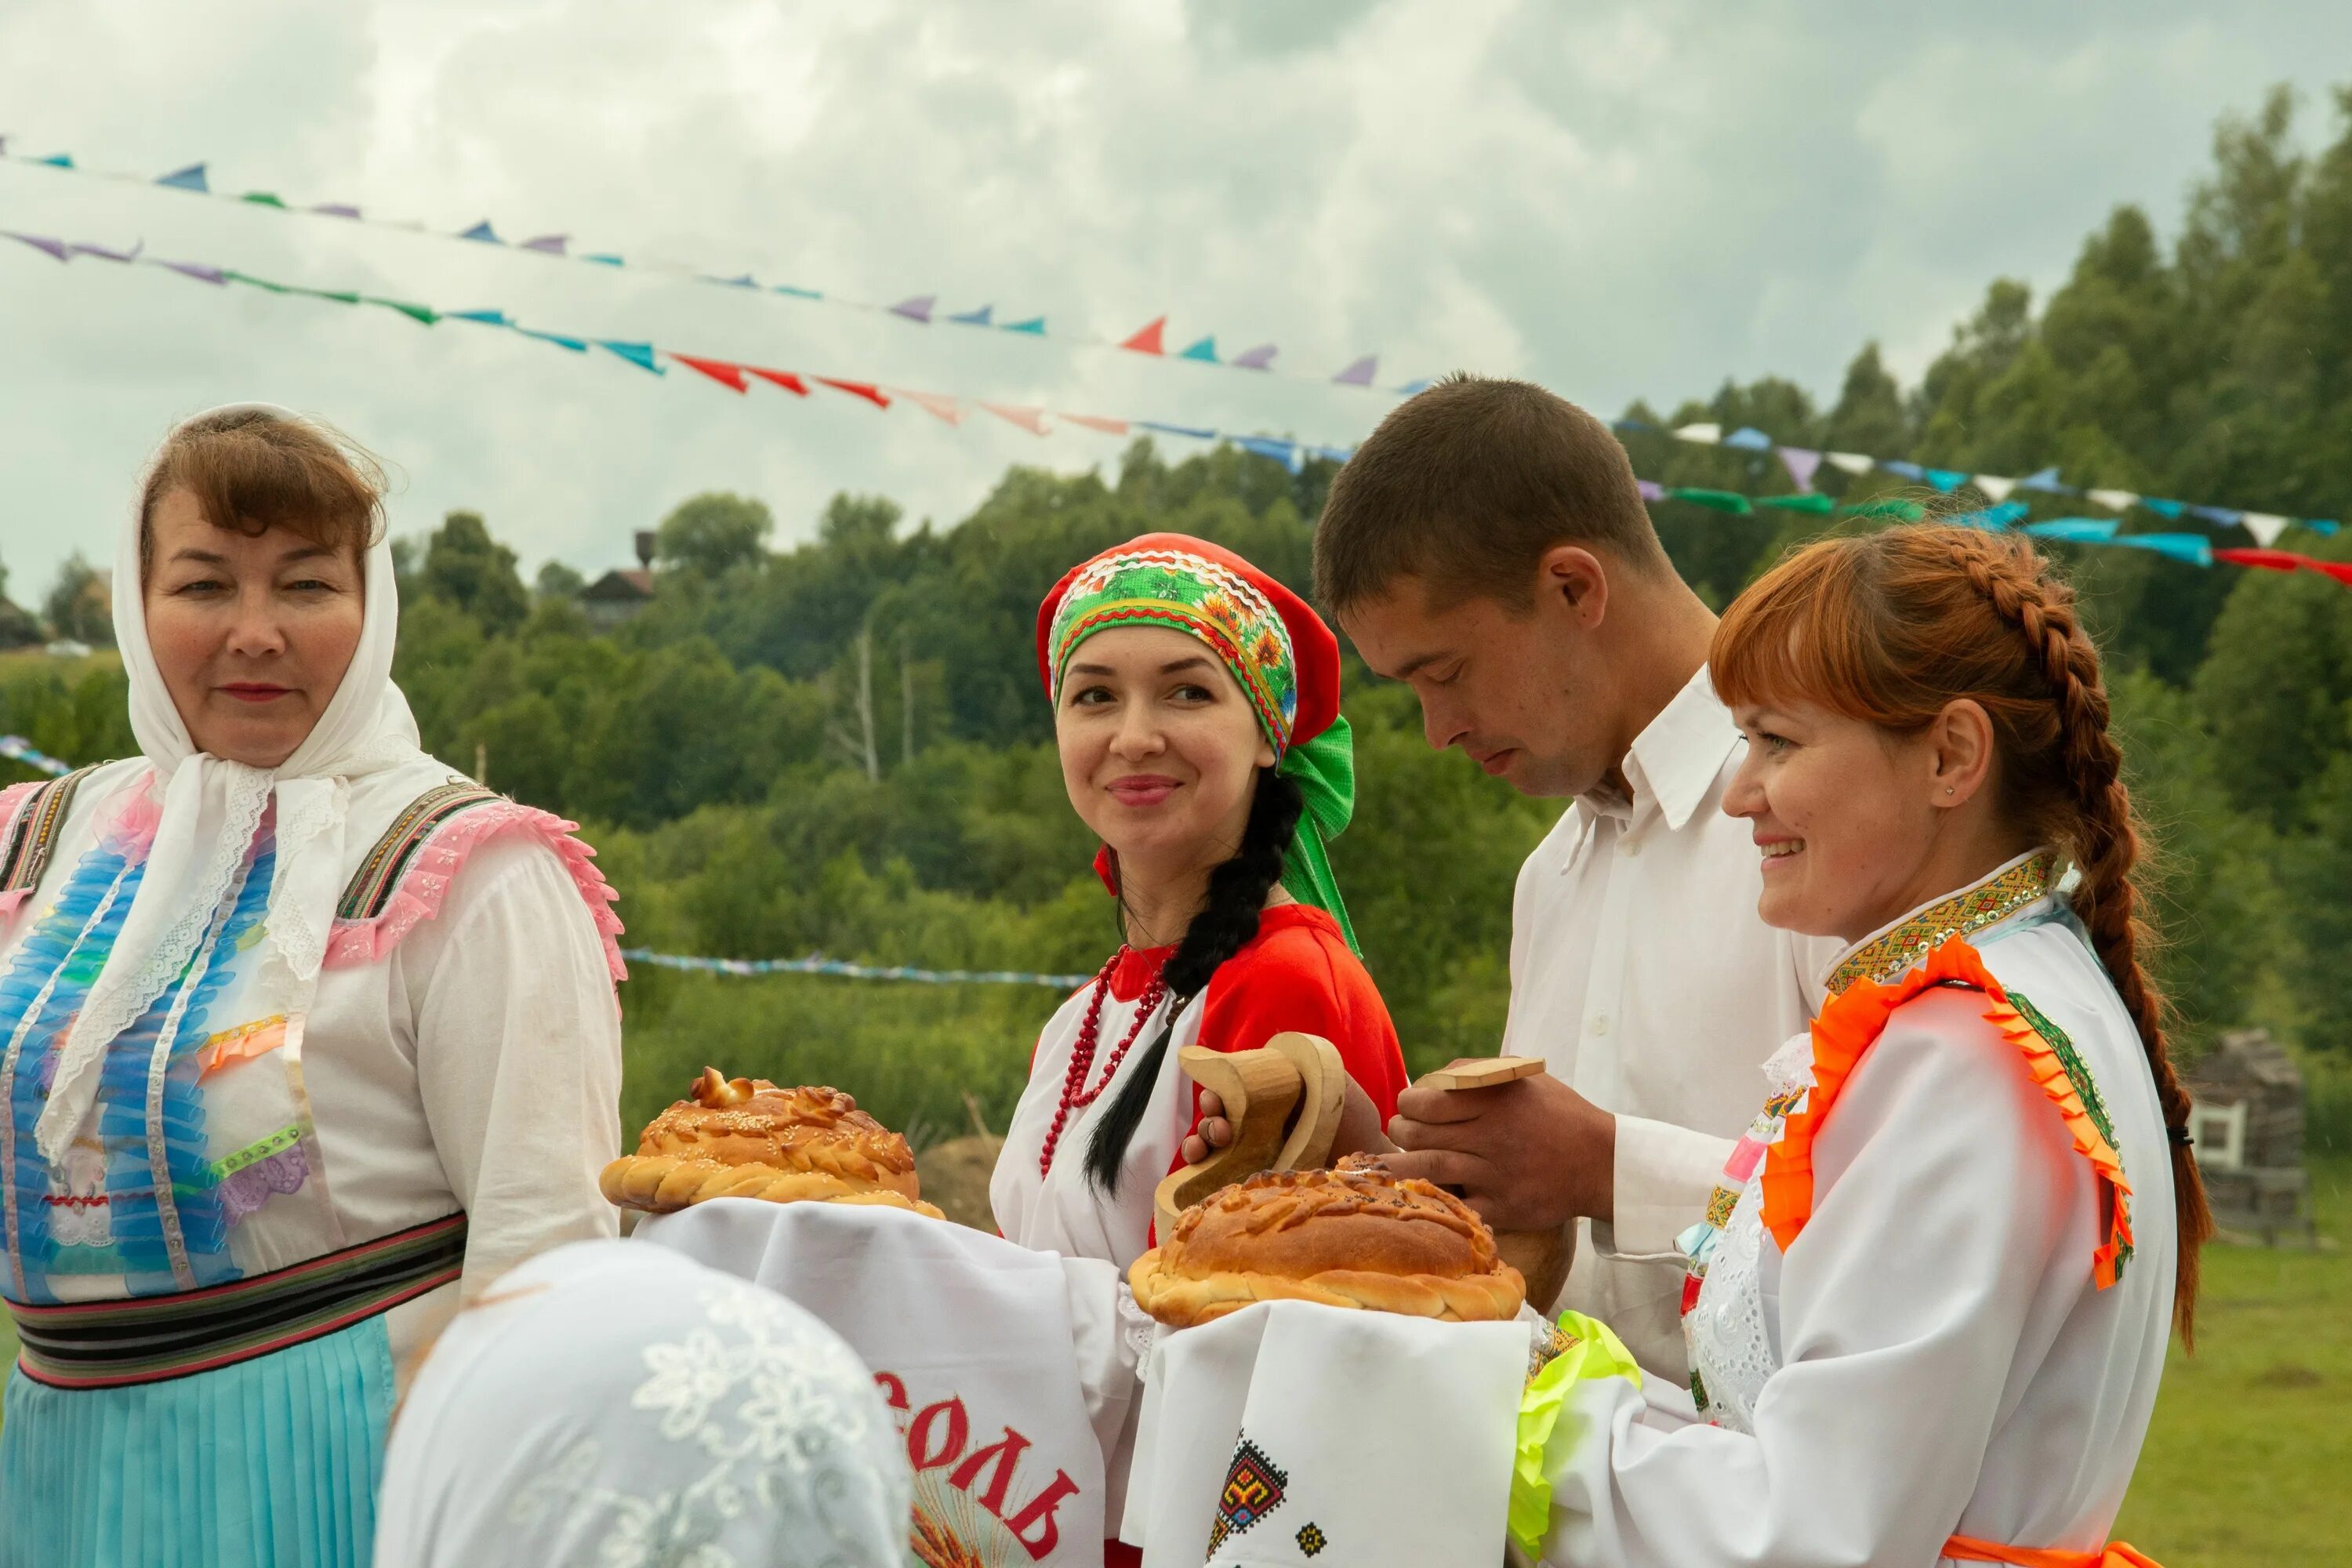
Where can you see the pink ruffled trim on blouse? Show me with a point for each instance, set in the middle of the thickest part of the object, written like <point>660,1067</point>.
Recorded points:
<point>426,883</point>
<point>12,801</point>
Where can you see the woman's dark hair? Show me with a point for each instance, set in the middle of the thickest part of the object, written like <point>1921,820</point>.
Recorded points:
<point>252,471</point>
<point>1237,890</point>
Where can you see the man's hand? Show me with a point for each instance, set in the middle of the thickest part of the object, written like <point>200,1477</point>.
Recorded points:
<point>1358,1133</point>
<point>1528,1155</point>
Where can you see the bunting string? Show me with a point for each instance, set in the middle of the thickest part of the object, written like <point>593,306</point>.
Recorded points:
<point>18,748</point>
<point>952,408</point>
<point>1150,339</point>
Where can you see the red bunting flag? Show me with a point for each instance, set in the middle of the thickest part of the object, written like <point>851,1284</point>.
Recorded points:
<point>1147,341</point>
<point>1030,419</point>
<point>784,378</point>
<point>2286,561</point>
<point>1096,422</point>
<point>939,404</point>
<point>718,369</point>
<point>864,389</point>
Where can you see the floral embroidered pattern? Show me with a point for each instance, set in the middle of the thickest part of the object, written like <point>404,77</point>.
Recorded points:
<point>1965,913</point>
<point>1255,1487</point>
<point>1188,594</point>
<point>765,1400</point>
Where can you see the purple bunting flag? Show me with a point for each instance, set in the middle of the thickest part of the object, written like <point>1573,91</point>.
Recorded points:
<point>1359,374</point>
<point>1258,358</point>
<point>1801,464</point>
<point>547,244</point>
<point>56,248</point>
<point>918,308</point>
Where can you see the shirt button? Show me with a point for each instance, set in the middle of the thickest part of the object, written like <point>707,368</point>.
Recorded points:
<point>1630,848</point>
<point>1600,1022</point>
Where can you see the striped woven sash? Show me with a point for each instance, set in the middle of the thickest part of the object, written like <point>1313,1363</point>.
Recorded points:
<point>370,886</point>
<point>25,849</point>
<point>149,1339</point>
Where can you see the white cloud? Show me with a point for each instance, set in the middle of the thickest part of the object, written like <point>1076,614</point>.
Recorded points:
<point>1620,199</point>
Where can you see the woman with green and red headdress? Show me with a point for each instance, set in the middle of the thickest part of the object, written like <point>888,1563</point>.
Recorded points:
<point>1196,706</point>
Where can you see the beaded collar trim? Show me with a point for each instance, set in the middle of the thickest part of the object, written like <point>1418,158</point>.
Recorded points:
<point>1908,942</point>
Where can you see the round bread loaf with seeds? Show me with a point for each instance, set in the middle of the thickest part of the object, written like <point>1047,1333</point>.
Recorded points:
<point>1353,1237</point>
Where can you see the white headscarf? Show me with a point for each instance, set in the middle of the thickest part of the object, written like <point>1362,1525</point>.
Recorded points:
<point>212,809</point>
<point>611,1404</point>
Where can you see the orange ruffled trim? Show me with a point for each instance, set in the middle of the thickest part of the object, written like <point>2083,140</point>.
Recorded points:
<point>1853,1022</point>
<point>2115,1554</point>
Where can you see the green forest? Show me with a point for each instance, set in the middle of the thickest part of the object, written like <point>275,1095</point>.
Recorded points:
<point>839,746</point>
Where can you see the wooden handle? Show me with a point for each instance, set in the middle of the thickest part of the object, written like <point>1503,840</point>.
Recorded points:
<point>1260,1089</point>
<point>1483,1074</point>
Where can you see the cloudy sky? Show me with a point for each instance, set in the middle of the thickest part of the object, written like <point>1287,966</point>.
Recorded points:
<point>1619,198</point>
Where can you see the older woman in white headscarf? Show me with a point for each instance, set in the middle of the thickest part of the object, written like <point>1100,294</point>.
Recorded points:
<point>618,1405</point>
<point>299,1032</point>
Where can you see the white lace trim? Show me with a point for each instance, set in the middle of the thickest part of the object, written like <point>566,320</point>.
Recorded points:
<point>131,982</point>
<point>1730,1342</point>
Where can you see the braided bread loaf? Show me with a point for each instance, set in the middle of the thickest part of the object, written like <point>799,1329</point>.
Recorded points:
<point>1354,1237</point>
<point>746,1138</point>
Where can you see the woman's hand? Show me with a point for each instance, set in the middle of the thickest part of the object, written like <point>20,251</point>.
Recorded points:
<point>1358,1133</point>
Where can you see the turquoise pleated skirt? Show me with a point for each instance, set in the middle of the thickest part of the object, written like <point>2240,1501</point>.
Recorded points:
<point>272,1463</point>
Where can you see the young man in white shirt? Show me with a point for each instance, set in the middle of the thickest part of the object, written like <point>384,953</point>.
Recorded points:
<point>1488,545</point>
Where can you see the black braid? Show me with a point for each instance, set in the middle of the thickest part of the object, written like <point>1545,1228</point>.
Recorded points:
<point>1227,920</point>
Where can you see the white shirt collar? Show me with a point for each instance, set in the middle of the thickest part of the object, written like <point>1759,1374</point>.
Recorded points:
<point>1676,760</point>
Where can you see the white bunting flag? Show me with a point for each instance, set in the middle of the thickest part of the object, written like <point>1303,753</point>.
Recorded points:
<point>2114,501</point>
<point>1995,488</point>
<point>1707,434</point>
<point>1853,462</point>
<point>2264,525</point>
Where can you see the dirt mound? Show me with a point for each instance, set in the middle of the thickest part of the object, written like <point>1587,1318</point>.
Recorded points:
<point>955,1176</point>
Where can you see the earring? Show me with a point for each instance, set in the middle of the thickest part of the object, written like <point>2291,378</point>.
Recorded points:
<point>1949,790</point>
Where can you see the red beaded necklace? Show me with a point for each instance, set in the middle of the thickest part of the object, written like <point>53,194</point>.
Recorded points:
<point>1075,1095</point>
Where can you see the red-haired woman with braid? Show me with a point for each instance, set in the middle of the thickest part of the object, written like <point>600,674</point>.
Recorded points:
<point>1928,1309</point>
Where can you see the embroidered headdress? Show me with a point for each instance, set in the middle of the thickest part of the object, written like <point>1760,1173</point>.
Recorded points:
<point>1277,647</point>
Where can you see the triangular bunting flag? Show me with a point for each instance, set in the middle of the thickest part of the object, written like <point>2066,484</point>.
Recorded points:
<point>2041,479</point>
<point>1283,452</point>
<point>104,253</point>
<point>983,317</point>
<point>2193,548</point>
<point>1895,506</point>
<point>1416,388</point>
<point>191,178</point>
<point>1332,454</point>
<point>1096,422</point>
<point>248,278</point>
<point>1992,518</point>
<point>2075,530</point>
<point>638,354</point>
<point>1034,326</point>
<point>718,369</point>
<point>1996,489</point>
<point>1945,480</point>
<point>918,308</point>
<point>1258,358</point>
<point>603,260</point>
<point>1719,500</point>
<point>2221,515</point>
<point>1651,490</point>
<point>424,314</point>
<point>1030,419</point>
<point>2113,501</point>
<point>58,160</point>
<point>1748,438</point>
<point>336,209</point>
<point>547,244</point>
<point>1176,430</point>
<point>1359,374</point>
<point>1706,433</point>
<point>197,270</point>
<point>2265,526</point>
<point>864,389</point>
<point>56,248</point>
<point>483,232</point>
<point>740,280</point>
<point>1145,339</point>
<point>1204,351</point>
<point>1812,501</point>
<point>1801,465</point>
<point>488,318</point>
<point>1902,469</point>
<point>784,378</point>
<point>2267,559</point>
<point>936,404</point>
<point>577,345</point>
<point>1855,463</point>
<point>264,199</point>
<point>2167,509</point>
